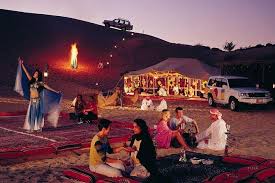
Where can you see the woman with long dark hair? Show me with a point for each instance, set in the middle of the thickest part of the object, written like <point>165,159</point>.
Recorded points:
<point>144,156</point>
<point>37,107</point>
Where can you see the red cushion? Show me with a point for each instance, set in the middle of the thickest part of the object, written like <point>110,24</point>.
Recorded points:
<point>83,173</point>
<point>11,154</point>
<point>223,177</point>
<point>33,151</point>
<point>243,160</point>
<point>255,173</point>
<point>269,163</point>
<point>80,173</point>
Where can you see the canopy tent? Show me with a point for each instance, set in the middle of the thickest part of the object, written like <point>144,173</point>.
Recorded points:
<point>185,76</point>
<point>189,67</point>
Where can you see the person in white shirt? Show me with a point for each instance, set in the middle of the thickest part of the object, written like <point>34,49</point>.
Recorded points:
<point>176,90</point>
<point>162,91</point>
<point>162,105</point>
<point>181,122</point>
<point>147,104</point>
<point>214,137</point>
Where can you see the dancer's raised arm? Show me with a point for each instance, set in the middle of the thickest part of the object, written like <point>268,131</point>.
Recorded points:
<point>49,88</point>
<point>24,68</point>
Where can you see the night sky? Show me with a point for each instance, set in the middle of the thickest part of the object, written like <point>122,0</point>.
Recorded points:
<point>206,22</point>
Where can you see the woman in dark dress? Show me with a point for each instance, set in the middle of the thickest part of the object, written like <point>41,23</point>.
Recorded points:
<point>144,156</point>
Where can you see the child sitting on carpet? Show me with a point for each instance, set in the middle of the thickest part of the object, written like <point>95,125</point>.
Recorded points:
<point>99,162</point>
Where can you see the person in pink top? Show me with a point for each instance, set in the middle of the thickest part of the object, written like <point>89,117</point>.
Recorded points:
<point>164,134</point>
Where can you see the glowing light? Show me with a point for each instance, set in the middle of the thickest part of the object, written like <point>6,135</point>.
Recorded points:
<point>273,85</point>
<point>111,55</point>
<point>132,34</point>
<point>115,46</point>
<point>123,39</point>
<point>96,84</point>
<point>108,63</point>
<point>74,53</point>
<point>100,65</point>
<point>46,74</point>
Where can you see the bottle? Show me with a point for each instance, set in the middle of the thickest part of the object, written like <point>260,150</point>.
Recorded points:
<point>182,156</point>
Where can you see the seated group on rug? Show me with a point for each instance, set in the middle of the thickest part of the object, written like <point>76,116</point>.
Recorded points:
<point>142,150</point>
<point>84,111</point>
<point>142,153</point>
<point>172,132</point>
<point>147,105</point>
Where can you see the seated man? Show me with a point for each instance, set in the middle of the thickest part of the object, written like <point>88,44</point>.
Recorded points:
<point>147,104</point>
<point>100,146</point>
<point>180,122</point>
<point>214,137</point>
<point>162,106</point>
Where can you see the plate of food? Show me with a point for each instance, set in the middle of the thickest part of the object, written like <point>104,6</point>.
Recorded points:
<point>207,162</point>
<point>195,160</point>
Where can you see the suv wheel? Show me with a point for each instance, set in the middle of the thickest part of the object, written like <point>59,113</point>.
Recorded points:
<point>233,104</point>
<point>211,101</point>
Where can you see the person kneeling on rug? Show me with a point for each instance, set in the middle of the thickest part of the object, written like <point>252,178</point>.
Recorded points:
<point>214,137</point>
<point>99,162</point>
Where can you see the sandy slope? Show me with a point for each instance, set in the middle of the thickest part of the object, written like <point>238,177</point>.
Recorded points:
<point>252,134</point>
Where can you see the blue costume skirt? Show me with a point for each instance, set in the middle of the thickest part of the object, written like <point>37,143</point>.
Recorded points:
<point>35,117</point>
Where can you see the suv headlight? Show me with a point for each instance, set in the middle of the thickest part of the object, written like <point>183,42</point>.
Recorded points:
<point>243,95</point>
<point>267,94</point>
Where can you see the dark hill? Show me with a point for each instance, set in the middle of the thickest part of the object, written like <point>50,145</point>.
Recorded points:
<point>44,39</point>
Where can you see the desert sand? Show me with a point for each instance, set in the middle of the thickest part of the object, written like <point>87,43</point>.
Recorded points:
<point>252,133</point>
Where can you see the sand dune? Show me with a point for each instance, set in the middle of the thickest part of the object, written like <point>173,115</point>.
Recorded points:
<point>252,134</point>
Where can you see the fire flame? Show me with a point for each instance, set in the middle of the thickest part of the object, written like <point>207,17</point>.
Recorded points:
<point>74,53</point>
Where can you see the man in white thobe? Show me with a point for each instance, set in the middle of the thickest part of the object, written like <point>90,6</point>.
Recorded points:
<point>214,137</point>
<point>162,105</point>
<point>147,104</point>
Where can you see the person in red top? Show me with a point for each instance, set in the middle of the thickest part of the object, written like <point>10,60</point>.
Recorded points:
<point>90,110</point>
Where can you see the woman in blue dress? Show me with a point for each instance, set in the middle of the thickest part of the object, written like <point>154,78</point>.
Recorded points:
<point>35,115</point>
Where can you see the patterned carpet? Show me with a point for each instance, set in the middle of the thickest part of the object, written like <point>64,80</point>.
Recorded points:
<point>13,136</point>
<point>179,172</point>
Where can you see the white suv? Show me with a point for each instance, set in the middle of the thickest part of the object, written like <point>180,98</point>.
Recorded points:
<point>234,90</point>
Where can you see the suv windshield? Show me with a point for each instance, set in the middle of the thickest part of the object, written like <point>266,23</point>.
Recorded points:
<point>239,83</point>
